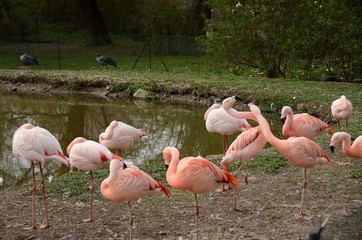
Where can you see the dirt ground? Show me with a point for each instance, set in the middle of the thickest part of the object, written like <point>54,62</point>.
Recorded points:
<point>267,204</point>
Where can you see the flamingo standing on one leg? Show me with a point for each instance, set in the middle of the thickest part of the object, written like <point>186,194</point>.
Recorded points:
<point>88,155</point>
<point>219,121</point>
<point>244,148</point>
<point>354,150</point>
<point>119,135</point>
<point>37,145</point>
<point>129,184</point>
<point>303,124</point>
<point>195,174</point>
<point>341,110</point>
<point>299,151</point>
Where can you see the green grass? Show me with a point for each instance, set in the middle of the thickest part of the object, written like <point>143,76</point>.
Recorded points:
<point>356,173</point>
<point>76,183</point>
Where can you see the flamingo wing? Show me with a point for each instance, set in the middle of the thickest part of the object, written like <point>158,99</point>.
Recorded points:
<point>197,175</point>
<point>246,146</point>
<point>131,184</point>
<point>89,155</point>
<point>309,126</point>
<point>305,153</point>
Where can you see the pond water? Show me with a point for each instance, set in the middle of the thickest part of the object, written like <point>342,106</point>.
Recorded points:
<point>68,116</point>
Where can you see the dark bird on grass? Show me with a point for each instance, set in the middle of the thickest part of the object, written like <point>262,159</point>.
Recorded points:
<point>28,60</point>
<point>105,60</point>
<point>317,235</point>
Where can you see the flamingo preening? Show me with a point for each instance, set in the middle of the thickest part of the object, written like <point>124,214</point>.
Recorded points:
<point>37,145</point>
<point>126,184</point>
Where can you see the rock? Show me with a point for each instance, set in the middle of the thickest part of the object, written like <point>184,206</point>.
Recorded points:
<point>140,93</point>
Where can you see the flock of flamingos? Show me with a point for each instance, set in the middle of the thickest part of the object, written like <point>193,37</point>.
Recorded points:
<point>127,183</point>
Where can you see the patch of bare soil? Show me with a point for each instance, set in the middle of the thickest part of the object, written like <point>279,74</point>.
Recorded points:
<point>268,204</point>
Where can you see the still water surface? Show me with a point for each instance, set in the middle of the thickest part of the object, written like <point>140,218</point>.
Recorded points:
<point>68,116</point>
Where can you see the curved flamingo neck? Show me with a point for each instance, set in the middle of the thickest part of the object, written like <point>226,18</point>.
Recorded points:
<point>265,127</point>
<point>175,159</point>
<point>288,122</point>
<point>346,144</point>
<point>344,104</point>
<point>243,115</point>
<point>213,107</point>
<point>109,131</point>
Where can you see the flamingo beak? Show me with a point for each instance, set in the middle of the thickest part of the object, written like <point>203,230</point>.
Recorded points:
<point>331,148</point>
<point>166,166</point>
<point>247,101</point>
<point>282,119</point>
<point>238,98</point>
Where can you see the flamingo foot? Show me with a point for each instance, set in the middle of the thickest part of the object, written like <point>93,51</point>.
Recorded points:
<point>223,188</point>
<point>30,228</point>
<point>43,226</point>
<point>345,163</point>
<point>299,215</point>
<point>87,220</point>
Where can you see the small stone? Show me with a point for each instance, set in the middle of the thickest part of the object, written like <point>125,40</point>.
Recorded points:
<point>140,93</point>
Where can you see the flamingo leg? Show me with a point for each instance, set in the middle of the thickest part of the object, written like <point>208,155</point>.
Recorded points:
<point>301,214</point>
<point>33,200</point>
<point>197,216</point>
<point>91,190</point>
<point>44,200</point>
<point>225,144</point>
<point>225,166</point>
<point>236,193</point>
<point>339,125</point>
<point>119,152</point>
<point>130,220</point>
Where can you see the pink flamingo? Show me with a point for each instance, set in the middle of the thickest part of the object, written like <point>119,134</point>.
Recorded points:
<point>245,147</point>
<point>119,135</point>
<point>303,125</point>
<point>88,155</point>
<point>129,184</point>
<point>37,145</point>
<point>219,121</point>
<point>299,151</point>
<point>195,174</point>
<point>354,150</point>
<point>341,110</point>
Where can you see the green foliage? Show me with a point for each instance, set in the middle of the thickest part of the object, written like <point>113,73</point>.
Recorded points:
<point>271,164</point>
<point>117,87</point>
<point>75,183</point>
<point>356,173</point>
<point>274,35</point>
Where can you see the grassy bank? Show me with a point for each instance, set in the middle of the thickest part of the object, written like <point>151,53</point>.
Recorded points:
<point>313,97</point>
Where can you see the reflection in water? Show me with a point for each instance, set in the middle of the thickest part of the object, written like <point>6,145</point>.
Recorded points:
<point>68,116</point>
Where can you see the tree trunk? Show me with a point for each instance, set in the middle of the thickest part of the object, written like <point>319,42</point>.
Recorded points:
<point>95,22</point>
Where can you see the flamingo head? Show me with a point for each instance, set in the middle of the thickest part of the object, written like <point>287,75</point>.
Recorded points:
<point>170,153</point>
<point>229,102</point>
<point>75,141</point>
<point>253,108</point>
